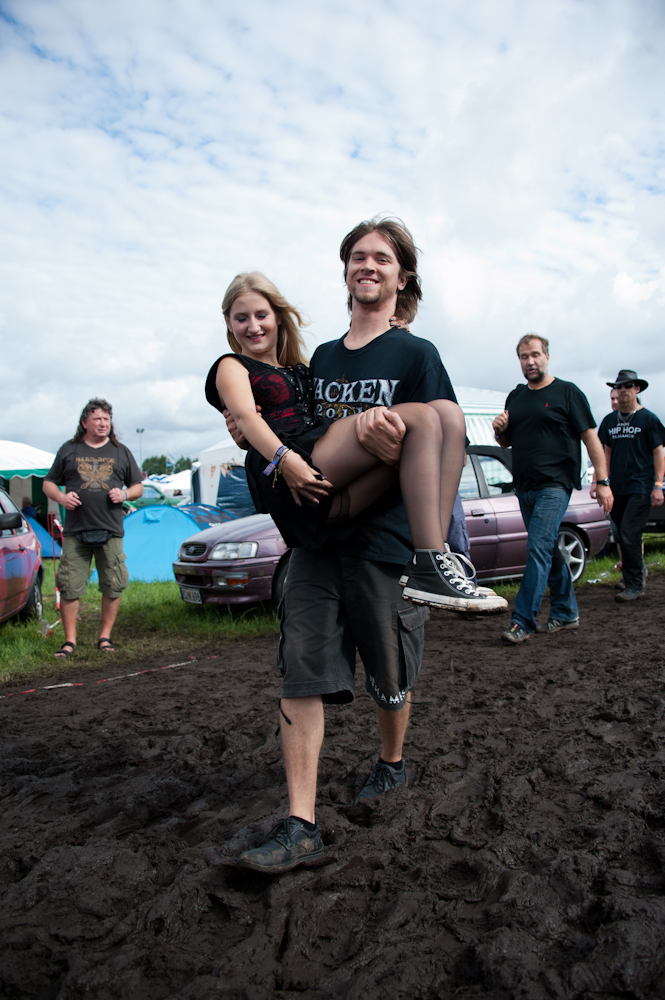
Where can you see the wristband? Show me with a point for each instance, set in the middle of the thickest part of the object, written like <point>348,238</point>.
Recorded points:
<point>659,488</point>
<point>278,454</point>
<point>126,495</point>
<point>659,485</point>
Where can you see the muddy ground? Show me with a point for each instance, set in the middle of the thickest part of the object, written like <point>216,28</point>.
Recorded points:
<point>526,859</point>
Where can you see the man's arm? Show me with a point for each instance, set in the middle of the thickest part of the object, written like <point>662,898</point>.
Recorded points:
<point>597,456</point>
<point>380,432</point>
<point>659,467</point>
<point>69,500</point>
<point>500,428</point>
<point>133,492</point>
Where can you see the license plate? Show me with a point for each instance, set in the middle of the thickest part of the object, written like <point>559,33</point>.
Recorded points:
<point>191,596</point>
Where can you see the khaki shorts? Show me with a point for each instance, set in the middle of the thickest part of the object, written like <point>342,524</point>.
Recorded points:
<point>74,569</point>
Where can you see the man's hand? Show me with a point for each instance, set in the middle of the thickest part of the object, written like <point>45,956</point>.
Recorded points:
<point>232,428</point>
<point>117,495</point>
<point>656,497</point>
<point>500,423</point>
<point>380,432</point>
<point>70,501</point>
<point>604,497</point>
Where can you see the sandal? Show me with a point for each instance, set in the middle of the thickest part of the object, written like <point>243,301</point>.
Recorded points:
<point>108,647</point>
<point>63,652</point>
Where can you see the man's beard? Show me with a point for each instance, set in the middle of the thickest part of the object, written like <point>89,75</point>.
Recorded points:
<point>538,377</point>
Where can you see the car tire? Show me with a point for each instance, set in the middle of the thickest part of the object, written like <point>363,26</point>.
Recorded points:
<point>35,606</point>
<point>572,548</point>
<point>278,579</point>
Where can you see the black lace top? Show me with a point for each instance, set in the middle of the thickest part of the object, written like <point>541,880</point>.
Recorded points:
<point>284,394</point>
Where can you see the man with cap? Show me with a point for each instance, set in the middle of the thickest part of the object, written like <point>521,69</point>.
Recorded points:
<point>633,438</point>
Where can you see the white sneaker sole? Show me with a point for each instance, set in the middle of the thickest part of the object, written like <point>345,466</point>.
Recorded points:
<point>486,604</point>
<point>487,591</point>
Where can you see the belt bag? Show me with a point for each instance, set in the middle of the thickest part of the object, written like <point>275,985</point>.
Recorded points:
<point>94,538</point>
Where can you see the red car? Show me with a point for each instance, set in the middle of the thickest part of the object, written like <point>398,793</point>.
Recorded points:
<point>246,560</point>
<point>21,570</point>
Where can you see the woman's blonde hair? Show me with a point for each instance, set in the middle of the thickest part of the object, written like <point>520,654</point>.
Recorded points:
<point>290,343</point>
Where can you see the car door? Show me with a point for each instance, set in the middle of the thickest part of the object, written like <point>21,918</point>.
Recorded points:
<point>511,532</point>
<point>480,521</point>
<point>15,563</point>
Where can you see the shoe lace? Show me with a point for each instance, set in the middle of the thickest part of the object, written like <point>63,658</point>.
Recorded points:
<point>382,777</point>
<point>452,569</point>
<point>281,832</point>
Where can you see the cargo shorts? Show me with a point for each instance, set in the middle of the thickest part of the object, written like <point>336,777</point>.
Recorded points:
<point>74,568</point>
<point>332,605</point>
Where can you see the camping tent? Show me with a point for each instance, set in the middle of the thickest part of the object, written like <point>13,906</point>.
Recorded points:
<point>153,536</point>
<point>44,539</point>
<point>219,478</point>
<point>22,471</point>
<point>181,481</point>
<point>480,407</point>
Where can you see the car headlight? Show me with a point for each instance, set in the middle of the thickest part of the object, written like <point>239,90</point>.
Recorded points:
<point>234,550</point>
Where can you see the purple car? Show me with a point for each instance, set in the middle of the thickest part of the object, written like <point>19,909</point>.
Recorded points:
<point>21,570</point>
<point>246,560</point>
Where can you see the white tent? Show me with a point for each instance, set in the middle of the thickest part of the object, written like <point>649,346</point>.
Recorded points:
<point>181,481</point>
<point>22,460</point>
<point>24,467</point>
<point>213,462</point>
<point>479,407</point>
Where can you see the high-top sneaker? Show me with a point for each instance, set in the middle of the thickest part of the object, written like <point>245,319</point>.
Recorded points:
<point>433,578</point>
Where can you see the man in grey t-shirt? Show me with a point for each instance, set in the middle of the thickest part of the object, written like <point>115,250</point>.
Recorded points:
<point>98,474</point>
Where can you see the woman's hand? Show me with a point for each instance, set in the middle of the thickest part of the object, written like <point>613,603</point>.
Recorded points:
<point>302,478</point>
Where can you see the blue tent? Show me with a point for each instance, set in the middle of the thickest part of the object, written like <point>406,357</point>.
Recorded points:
<point>153,536</point>
<point>44,539</point>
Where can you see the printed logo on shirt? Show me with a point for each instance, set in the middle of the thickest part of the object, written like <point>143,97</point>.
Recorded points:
<point>341,398</point>
<point>95,472</point>
<point>624,432</point>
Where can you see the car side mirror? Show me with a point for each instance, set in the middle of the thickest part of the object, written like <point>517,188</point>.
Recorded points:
<point>8,521</point>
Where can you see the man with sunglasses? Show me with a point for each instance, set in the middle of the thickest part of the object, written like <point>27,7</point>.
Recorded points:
<point>633,438</point>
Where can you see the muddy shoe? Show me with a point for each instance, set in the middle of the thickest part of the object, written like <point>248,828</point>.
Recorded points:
<point>554,625</point>
<point>288,845</point>
<point>516,633</point>
<point>383,778</point>
<point>629,595</point>
<point>433,578</point>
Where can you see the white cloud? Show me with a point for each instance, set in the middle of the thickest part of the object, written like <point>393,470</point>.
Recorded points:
<point>150,151</point>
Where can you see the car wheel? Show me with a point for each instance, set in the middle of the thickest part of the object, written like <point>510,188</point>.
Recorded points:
<point>35,606</point>
<point>571,546</point>
<point>279,576</point>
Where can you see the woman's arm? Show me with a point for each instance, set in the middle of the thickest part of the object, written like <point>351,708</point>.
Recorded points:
<point>235,394</point>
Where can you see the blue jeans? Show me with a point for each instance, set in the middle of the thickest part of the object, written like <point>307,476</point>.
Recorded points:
<point>543,511</point>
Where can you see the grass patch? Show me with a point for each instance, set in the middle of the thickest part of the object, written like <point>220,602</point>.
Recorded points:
<point>152,619</point>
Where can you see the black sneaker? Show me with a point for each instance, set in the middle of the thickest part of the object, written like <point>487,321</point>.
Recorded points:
<point>382,778</point>
<point>516,633</point>
<point>629,595</point>
<point>288,845</point>
<point>554,625</point>
<point>434,579</point>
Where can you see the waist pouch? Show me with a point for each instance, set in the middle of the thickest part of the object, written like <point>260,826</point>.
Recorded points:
<point>95,538</point>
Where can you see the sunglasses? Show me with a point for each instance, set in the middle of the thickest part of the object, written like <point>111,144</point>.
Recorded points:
<point>626,385</point>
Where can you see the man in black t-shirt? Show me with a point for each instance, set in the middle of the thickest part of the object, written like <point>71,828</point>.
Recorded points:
<point>633,438</point>
<point>544,422</point>
<point>98,474</point>
<point>347,595</point>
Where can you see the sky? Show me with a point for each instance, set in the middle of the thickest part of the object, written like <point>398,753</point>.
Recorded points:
<point>152,150</point>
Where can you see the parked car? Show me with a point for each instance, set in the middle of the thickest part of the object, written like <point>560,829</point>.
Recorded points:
<point>153,495</point>
<point>21,570</point>
<point>246,560</point>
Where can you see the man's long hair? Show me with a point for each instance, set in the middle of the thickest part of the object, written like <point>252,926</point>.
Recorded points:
<point>401,240</point>
<point>290,343</point>
<point>90,407</point>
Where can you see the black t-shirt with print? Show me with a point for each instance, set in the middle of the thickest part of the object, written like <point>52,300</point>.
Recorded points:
<point>393,368</point>
<point>92,472</point>
<point>632,443</point>
<point>544,430</point>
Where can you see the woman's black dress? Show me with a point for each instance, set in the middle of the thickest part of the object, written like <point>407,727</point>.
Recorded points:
<point>286,398</point>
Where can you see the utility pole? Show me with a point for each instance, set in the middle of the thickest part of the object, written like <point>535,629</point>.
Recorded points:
<point>139,431</point>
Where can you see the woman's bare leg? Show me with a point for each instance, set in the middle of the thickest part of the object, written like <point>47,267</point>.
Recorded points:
<point>430,432</point>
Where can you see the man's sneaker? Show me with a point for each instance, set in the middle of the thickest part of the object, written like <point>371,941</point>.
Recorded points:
<point>554,625</point>
<point>433,578</point>
<point>516,633</point>
<point>629,595</point>
<point>382,778</point>
<point>288,844</point>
